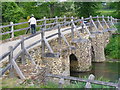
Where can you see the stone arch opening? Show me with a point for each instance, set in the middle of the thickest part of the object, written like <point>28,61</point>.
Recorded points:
<point>73,62</point>
<point>92,53</point>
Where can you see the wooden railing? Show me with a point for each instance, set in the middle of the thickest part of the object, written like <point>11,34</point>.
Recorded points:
<point>88,81</point>
<point>56,20</point>
<point>73,23</point>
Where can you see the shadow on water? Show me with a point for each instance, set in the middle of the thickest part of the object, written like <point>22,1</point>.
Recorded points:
<point>107,70</point>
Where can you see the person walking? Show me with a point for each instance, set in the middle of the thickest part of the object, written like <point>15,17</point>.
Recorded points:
<point>32,21</point>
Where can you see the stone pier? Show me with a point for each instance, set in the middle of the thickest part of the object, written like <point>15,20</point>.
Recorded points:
<point>97,49</point>
<point>80,59</point>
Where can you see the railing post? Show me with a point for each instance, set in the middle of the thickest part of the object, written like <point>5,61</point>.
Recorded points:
<point>56,20</point>
<point>97,24</point>
<point>45,23</point>
<point>102,20</point>
<point>72,28</point>
<point>64,20</point>
<point>59,36</point>
<point>90,27</point>
<point>23,50</point>
<point>11,74</point>
<point>82,23</point>
<point>43,42</point>
<point>111,20</point>
<point>108,20</point>
<point>115,20</point>
<point>88,84</point>
<point>118,86</point>
<point>12,30</point>
<point>61,82</point>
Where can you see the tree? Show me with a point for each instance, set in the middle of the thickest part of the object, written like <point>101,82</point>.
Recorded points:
<point>85,9</point>
<point>118,9</point>
<point>11,12</point>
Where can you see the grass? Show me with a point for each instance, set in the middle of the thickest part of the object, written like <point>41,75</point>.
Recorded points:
<point>13,83</point>
<point>107,12</point>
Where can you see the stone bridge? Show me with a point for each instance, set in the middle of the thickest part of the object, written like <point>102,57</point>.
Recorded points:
<point>74,48</point>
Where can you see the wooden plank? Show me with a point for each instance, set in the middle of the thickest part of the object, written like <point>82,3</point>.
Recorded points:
<point>50,24</point>
<point>16,45</point>
<point>94,23</point>
<point>59,37</point>
<point>5,69</point>
<point>5,33</point>
<point>21,29</point>
<point>11,74</point>
<point>27,53</point>
<point>105,21</point>
<point>77,31</point>
<point>12,29</point>
<point>43,42</point>
<point>23,50</point>
<point>83,80</point>
<point>4,55</point>
<point>48,45</point>
<point>72,28</point>
<point>99,22</point>
<point>17,69</point>
<point>85,26</point>
<point>63,37</point>
<point>15,58</point>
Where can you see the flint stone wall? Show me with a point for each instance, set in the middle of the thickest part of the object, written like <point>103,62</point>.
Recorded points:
<point>62,64</point>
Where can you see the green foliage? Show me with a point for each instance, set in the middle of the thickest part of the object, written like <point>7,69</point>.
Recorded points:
<point>85,9</point>
<point>11,12</point>
<point>118,9</point>
<point>112,50</point>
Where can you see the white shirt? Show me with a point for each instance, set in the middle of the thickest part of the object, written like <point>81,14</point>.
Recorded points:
<point>32,20</point>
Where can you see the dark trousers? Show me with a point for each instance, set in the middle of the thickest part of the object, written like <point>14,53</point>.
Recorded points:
<point>33,28</point>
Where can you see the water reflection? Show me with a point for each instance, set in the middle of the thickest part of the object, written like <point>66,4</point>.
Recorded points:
<point>109,71</point>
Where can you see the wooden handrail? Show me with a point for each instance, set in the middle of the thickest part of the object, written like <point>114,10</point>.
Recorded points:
<point>39,25</point>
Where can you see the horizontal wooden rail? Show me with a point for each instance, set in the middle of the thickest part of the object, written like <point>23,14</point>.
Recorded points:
<point>4,55</point>
<point>83,80</point>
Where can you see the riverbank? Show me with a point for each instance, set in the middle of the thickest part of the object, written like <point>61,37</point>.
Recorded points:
<point>16,83</point>
<point>112,60</point>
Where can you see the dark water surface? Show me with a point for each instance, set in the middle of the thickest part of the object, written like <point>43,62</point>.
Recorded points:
<point>107,70</point>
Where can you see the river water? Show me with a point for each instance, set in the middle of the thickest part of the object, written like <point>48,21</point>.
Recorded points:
<point>107,70</point>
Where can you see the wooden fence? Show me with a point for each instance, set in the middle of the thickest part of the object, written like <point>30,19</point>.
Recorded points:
<point>74,23</point>
<point>88,81</point>
<point>44,24</point>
